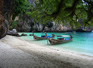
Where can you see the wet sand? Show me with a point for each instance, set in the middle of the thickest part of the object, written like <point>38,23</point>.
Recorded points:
<point>18,53</point>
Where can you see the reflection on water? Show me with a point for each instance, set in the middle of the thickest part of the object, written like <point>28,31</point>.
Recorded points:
<point>82,42</point>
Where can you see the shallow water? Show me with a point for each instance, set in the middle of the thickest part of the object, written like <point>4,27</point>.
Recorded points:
<point>82,42</point>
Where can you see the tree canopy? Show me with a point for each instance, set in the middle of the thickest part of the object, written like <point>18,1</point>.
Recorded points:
<point>63,11</point>
<point>13,8</point>
<point>20,6</point>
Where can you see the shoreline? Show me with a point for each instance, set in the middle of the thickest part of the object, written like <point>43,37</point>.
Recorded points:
<point>55,48</point>
<point>50,55</point>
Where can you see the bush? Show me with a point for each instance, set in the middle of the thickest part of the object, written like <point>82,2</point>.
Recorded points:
<point>14,24</point>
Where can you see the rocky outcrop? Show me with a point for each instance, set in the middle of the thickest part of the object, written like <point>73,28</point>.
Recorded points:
<point>26,24</point>
<point>23,27</point>
<point>3,23</point>
<point>3,27</point>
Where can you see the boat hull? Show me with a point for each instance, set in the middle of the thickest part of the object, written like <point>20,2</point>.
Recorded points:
<point>54,41</point>
<point>39,38</point>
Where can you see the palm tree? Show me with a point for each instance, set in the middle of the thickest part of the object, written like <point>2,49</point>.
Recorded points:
<point>3,24</point>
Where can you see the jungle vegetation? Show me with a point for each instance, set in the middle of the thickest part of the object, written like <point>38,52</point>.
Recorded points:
<point>43,11</point>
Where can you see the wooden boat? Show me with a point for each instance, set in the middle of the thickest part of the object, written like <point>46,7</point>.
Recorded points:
<point>54,41</point>
<point>41,38</point>
<point>59,40</point>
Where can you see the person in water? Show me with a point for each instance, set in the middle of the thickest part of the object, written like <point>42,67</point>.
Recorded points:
<point>53,35</point>
<point>71,36</point>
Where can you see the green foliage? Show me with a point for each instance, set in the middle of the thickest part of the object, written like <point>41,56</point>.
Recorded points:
<point>60,11</point>
<point>20,7</point>
<point>14,25</point>
<point>28,13</point>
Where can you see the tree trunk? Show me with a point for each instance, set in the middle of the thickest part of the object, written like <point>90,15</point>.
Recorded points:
<point>3,25</point>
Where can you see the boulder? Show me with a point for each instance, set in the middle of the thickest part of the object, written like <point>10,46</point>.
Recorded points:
<point>3,27</point>
<point>13,32</point>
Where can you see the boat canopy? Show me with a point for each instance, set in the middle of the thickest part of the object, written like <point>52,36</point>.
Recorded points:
<point>47,34</point>
<point>64,36</point>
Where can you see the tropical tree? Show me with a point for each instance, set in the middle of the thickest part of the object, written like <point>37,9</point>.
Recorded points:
<point>20,7</point>
<point>63,11</point>
<point>14,8</point>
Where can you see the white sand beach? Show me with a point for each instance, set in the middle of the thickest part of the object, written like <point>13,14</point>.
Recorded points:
<point>19,53</point>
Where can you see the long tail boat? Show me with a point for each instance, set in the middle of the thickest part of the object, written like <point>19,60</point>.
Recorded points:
<point>60,39</point>
<point>43,37</point>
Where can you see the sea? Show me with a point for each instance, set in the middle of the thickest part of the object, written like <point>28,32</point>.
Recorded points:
<point>82,42</point>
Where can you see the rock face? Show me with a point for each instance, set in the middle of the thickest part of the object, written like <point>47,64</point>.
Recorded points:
<point>3,28</point>
<point>58,27</point>
<point>3,23</point>
<point>8,8</point>
<point>23,27</point>
<point>26,24</point>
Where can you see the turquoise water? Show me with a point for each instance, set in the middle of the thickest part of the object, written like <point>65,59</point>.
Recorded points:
<point>82,42</point>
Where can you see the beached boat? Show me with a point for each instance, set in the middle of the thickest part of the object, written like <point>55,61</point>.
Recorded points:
<point>60,39</point>
<point>43,37</point>
<point>39,38</point>
<point>54,41</point>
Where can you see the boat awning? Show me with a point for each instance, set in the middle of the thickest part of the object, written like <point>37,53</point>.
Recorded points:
<point>64,36</point>
<point>47,34</point>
